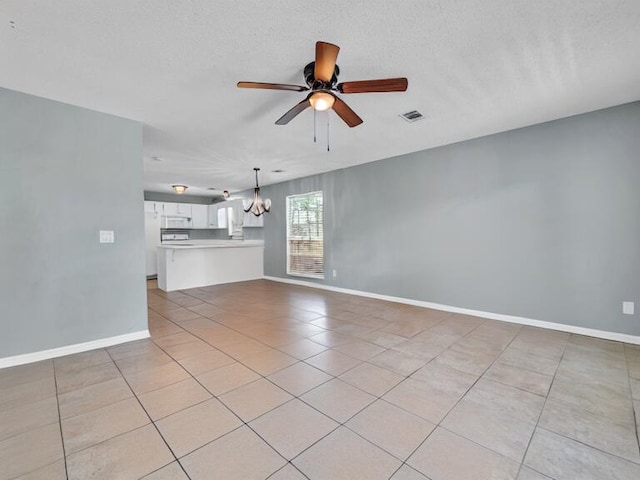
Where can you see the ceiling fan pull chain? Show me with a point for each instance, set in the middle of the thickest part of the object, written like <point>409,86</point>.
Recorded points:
<point>314,125</point>
<point>328,130</point>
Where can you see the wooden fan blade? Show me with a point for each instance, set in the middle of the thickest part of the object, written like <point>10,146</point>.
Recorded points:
<point>272,86</point>
<point>365,86</point>
<point>326,56</point>
<point>343,110</point>
<point>295,111</point>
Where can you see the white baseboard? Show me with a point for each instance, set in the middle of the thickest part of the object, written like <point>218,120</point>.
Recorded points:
<point>590,332</point>
<point>70,349</point>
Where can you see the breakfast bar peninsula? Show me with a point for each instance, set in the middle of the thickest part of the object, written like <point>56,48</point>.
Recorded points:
<point>209,262</point>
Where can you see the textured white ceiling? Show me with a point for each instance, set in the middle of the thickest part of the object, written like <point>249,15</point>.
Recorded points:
<point>474,67</point>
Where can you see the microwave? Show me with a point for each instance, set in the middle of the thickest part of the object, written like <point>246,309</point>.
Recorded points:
<point>176,222</point>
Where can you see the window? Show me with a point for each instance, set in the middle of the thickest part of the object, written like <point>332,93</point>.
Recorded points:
<point>305,235</point>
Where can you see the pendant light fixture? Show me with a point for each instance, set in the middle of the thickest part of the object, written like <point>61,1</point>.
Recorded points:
<point>179,189</point>
<point>258,206</point>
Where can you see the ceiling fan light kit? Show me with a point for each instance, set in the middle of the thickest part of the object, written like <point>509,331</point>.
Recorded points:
<point>321,77</point>
<point>321,101</point>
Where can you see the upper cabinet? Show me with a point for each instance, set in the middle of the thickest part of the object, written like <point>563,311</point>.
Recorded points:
<point>184,209</point>
<point>219,215</point>
<point>229,214</point>
<point>235,217</point>
<point>213,217</point>
<point>232,211</point>
<point>170,209</point>
<point>152,207</point>
<point>177,209</point>
<point>199,216</point>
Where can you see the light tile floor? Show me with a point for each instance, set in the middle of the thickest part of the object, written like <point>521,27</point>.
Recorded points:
<point>264,380</point>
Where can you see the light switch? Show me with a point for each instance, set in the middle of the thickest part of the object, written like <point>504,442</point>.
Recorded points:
<point>628,308</point>
<point>107,236</point>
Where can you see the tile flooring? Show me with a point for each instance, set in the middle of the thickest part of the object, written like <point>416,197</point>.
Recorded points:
<point>264,380</point>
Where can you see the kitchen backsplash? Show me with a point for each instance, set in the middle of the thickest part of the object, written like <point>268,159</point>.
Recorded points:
<point>223,234</point>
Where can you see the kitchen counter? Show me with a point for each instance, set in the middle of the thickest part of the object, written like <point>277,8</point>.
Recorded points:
<point>201,263</point>
<point>190,244</point>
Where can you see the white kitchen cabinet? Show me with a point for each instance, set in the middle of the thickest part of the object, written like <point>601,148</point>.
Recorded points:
<point>199,216</point>
<point>171,209</point>
<point>184,209</point>
<point>235,217</point>
<point>213,216</point>
<point>152,240</point>
<point>152,207</point>
<point>152,214</point>
<point>219,215</point>
<point>211,210</point>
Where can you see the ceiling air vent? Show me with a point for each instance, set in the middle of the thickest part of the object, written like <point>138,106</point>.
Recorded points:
<point>412,116</point>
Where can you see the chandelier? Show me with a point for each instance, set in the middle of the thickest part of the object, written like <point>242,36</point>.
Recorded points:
<point>258,206</point>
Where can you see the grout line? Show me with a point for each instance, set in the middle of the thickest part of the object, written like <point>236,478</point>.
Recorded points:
<point>64,451</point>
<point>439,424</point>
<point>285,466</point>
<point>294,397</point>
<point>236,360</point>
<point>216,397</point>
<point>361,362</point>
<point>150,419</point>
<point>609,454</point>
<point>635,414</point>
<point>546,398</point>
<point>579,408</point>
<point>241,332</point>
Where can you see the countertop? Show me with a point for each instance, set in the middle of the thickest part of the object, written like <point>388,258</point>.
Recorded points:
<point>195,244</point>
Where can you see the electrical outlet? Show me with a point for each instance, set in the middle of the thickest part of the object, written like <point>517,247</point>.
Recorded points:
<point>335,273</point>
<point>107,236</point>
<point>628,308</point>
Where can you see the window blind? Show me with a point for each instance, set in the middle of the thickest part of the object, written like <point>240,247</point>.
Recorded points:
<point>305,235</point>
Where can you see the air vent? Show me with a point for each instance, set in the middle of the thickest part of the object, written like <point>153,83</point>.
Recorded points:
<point>412,116</point>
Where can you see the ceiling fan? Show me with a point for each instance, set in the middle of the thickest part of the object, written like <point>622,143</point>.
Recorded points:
<point>321,77</point>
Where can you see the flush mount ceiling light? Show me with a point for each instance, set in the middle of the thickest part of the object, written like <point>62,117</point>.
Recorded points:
<point>179,189</point>
<point>258,206</point>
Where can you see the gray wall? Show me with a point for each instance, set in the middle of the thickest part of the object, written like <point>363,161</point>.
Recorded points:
<point>174,197</point>
<point>541,222</point>
<point>67,173</point>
